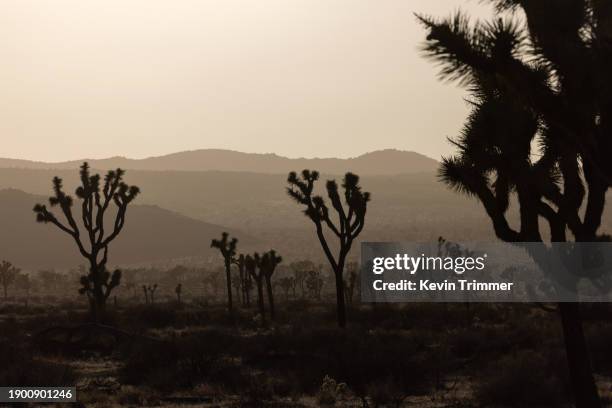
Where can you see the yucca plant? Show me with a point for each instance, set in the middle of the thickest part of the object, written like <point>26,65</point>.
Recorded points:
<point>91,237</point>
<point>350,222</point>
<point>227,247</point>
<point>539,129</point>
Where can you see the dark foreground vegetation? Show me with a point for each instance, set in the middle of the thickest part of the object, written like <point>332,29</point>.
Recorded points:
<point>537,138</point>
<point>416,354</point>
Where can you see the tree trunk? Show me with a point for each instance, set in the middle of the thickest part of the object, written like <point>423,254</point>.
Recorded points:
<point>228,278</point>
<point>581,372</point>
<point>270,297</point>
<point>97,307</point>
<point>260,302</point>
<point>340,306</point>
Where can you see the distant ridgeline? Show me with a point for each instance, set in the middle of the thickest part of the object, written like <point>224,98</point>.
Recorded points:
<point>383,162</point>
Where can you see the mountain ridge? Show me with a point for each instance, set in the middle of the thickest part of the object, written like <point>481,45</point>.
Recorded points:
<point>379,162</point>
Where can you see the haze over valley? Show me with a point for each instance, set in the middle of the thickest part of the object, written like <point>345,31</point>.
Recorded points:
<point>187,208</point>
<point>179,211</point>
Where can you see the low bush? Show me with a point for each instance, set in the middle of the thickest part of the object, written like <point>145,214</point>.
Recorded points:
<point>182,362</point>
<point>525,379</point>
<point>20,367</point>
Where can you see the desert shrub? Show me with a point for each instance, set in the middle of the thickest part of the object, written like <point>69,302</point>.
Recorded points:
<point>356,357</point>
<point>256,392</point>
<point>133,396</point>
<point>181,362</point>
<point>361,359</point>
<point>194,318</point>
<point>386,393</point>
<point>20,367</point>
<point>489,341</point>
<point>524,379</point>
<point>150,362</point>
<point>331,391</point>
<point>157,316</point>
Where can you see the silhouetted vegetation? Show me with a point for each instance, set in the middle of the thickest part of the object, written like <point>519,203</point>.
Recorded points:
<point>182,329</point>
<point>227,248</point>
<point>93,246</point>
<point>537,131</point>
<point>350,221</point>
<point>267,264</point>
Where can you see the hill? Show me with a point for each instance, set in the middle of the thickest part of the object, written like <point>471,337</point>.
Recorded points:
<point>382,162</point>
<point>151,234</point>
<point>404,207</point>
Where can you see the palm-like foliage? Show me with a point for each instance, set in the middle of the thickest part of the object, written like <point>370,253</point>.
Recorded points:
<point>557,66</point>
<point>350,220</point>
<point>91,237</point>
<point>539,81</point>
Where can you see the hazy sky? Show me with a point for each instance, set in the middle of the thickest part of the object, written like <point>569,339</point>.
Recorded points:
<point>147,77</point>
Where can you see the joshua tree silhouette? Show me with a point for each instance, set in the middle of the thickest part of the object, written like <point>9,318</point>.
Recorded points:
<point>99,282</point>
<point>562,103</point>
<point>149,292</point>
<point>8,275</point>
<point>227,248</point>
<point>267,264</point>
<point>350,221</point>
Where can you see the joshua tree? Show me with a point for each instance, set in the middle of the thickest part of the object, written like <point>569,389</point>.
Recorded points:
<point>227,248</point>
<point>94,242</point>
<point>268,263</point>
<point>8,274</point>
<point>562,103</point>
<point>350,220</point>
<point>149,291</point>
<point>252,266</point>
